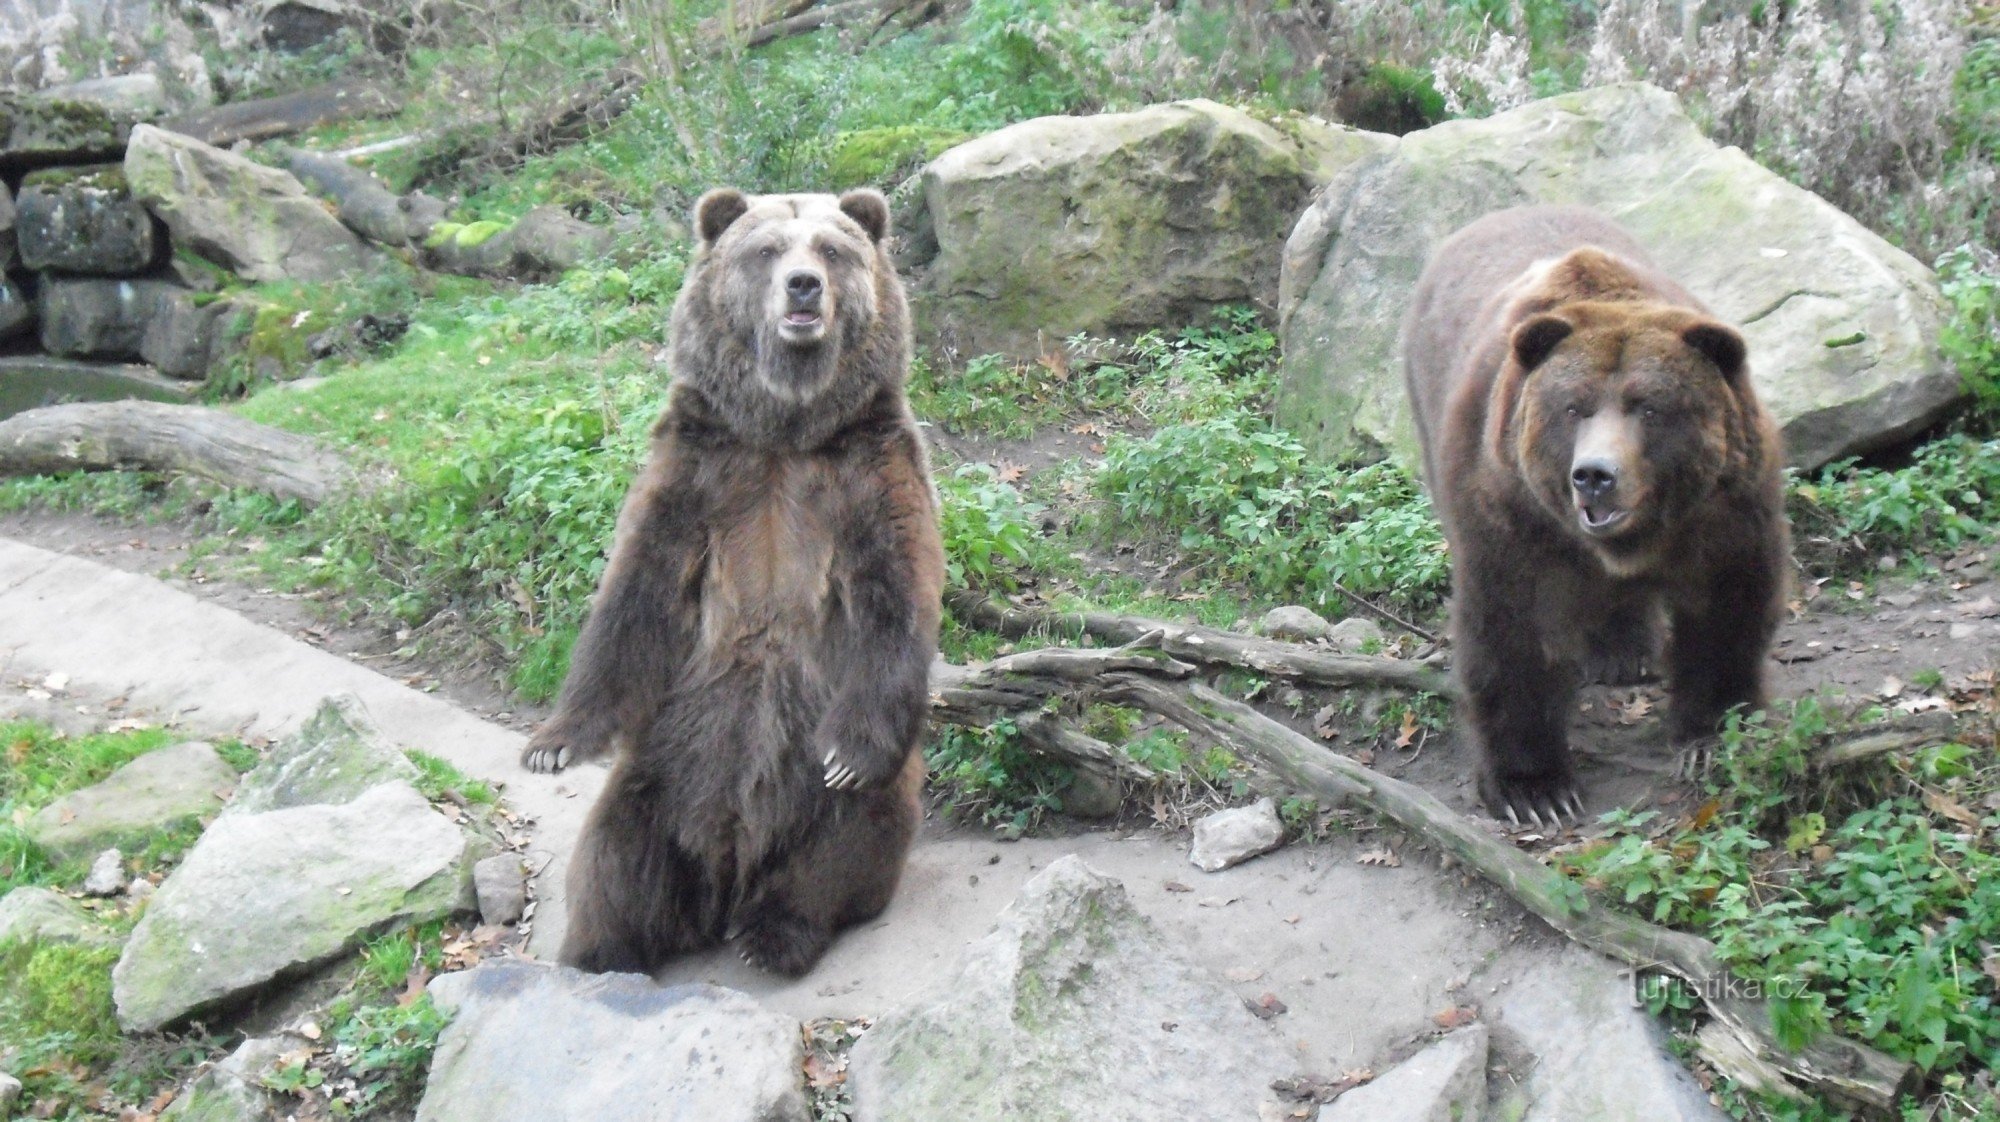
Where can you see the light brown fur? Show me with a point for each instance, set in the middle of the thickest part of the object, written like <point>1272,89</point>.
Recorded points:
<point>1601,464</point>
<point>758,651</point>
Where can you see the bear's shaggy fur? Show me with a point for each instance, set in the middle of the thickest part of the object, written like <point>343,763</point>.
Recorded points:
<point>758,652</point>
<point>1599,459</point>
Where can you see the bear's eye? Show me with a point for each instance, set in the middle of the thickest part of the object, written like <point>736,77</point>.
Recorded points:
<point>767,251</point>
<point>831,253</point>
<point>1572,412</point>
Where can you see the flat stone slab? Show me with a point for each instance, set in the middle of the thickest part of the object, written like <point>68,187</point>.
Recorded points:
<point>158,789</point>
<point>608,1048</point>
<point>1075,1002</point>
<point>1446,1082</point>
<point>266,895</point>
<point>31,381</point>
<point>335,757</point>
<point>1233,836</point>
<point>1597,1055</point>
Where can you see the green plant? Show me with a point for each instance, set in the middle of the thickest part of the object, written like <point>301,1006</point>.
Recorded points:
<point>988,528</point>
<point>986,775</point>
<point>1855,909</point>
<point>386,1050</point>
<point>1969,277</point>
<point>1848,514</point>
<point>439,779</point>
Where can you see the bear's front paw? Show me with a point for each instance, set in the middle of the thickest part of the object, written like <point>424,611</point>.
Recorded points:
<point>553,748</point>
<point>845,770</point>
<point>1543,798</point>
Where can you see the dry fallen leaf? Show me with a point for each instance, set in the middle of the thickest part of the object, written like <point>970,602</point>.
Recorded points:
<point>1941,803</point>
<point>1408,732</point>
<point>1008,472</point>
<point>1891,686</point>
<point>824,1071</point>
<point>1384,857</point>
<point>1176,886</point>
<point>1267,1006</point>
<point>1458,1016</point>
<point>1243,974</point>
<point>1323,723</point>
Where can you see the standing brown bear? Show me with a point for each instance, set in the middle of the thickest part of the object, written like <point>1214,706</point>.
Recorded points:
<point>1599,460</point>
<point>758,653</point>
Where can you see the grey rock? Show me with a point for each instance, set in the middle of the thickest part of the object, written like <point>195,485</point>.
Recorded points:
<point>1843,327</point>
<point>107,874</point>
<point>595,1048</point>
<point>140,891</point>
<point>1294,624</point>
<point>1074,1007</point>
<point>335,757</point>
<point>1233,836</point>
<point>1446,1082</point>
<point>297,25</point>
<point>231,1089</point>
<point>1596,1054</point>
<point>180,339</point>
<point>264,896</point>
<point>17,313</point>
<point>41,130</point>
<point>97,317</point>
<point>256,220</point>
<point>1356,635</point>
<point>28,381</point>
<point>1107,223</point>
<point>34,914</point>
<point>500,883</point>
<point>83,220</point>
<point>7,216</point>
<point>137,97</point>
<point>10,1093</point>
<point>155,790</point>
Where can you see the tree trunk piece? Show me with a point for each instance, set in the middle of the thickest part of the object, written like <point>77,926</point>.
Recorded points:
<point>185,439</point>
<point>1211,646</point>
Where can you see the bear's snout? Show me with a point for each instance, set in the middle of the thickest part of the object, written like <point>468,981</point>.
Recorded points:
<point>803,287</point>
<point>1597,479</point>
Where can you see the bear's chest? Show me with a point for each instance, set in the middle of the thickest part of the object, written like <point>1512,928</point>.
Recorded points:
<point>768,581</point>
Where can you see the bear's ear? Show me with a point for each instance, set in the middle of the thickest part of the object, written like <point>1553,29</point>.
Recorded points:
<point>867,207</point>
<point>1534,339</point>
<point>714,212</point>
<point>1719,344</point>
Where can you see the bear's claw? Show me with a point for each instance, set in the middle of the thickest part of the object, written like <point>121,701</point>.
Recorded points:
<point>545,758</point>
<point>1544,802</point>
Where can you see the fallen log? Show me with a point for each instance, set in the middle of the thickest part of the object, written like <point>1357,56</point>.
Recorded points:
<point>363,203</point>
<point>290,113</point>
<point>1844,1069</point>
<point>1210,646</point>
<point>180,439</point>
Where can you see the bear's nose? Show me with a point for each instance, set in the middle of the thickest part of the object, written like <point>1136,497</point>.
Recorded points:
<point>1594,479</point>
<point>802,285</point>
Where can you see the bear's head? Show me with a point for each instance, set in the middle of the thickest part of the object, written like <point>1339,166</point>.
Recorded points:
<point>1624,418</point>
<point>791,317</point>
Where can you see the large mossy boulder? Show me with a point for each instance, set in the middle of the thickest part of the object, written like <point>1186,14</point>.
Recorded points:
<point>324,845</point>
<point>259,221</point>
<point>154,791</point>
<point>1843,327</point>
<point>608,1048</point>
<point>1075,1007</point>
<point>1112,223</point>
<point>84,220</point>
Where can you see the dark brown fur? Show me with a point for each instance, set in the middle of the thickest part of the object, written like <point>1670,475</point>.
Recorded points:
<point>1520,319</point>
<point>758,652</point>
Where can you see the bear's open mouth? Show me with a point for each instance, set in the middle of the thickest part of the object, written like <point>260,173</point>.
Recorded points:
<point>801,319</point>
<point>1600,517</point>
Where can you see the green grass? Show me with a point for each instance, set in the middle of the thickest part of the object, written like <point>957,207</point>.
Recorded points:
<point>438,779</point>
<point>1868,903</point>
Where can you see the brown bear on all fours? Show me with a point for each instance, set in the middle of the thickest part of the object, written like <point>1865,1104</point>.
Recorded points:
<point>758,651</point>
<point>1601,465</point>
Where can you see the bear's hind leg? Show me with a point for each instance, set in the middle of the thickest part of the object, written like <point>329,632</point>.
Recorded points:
<point>636,898</point>
<point>845,873</point>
